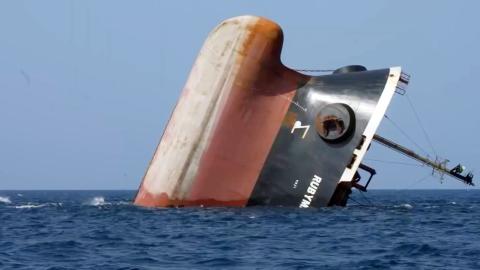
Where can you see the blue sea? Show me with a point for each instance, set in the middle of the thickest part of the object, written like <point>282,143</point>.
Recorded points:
<point>381,229</point>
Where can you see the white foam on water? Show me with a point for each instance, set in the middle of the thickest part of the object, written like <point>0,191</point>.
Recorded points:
<point>404,205</point>
<point>453,203</point>
<point>100,201</point>
<point>5,200</point>
<point>97,201</point>
<point>32,205</point>
<point>123,203</point>
<point>29,206</point>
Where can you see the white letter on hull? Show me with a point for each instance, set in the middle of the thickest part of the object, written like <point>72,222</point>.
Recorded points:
<point>298,125</point>
<point>311,190</point>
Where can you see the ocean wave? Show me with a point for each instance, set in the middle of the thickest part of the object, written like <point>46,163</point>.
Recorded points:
<point>51,235</point>
<point>123,203</point>
<point>97,201</point>
<point>31,205</point>
<point>5,200</point>
<point>404,206</point>
<point>100,201</point>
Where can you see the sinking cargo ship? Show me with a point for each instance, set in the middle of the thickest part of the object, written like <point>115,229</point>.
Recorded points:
<point>249,131</point>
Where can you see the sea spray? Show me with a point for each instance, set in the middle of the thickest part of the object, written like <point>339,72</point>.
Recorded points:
<point>404,206</point>
<point>5,200</point>
<point>30,206</point>
<point>97,201</point>
<point>33,205</point>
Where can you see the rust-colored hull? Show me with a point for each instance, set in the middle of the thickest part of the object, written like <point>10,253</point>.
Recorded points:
<point>246,115</point>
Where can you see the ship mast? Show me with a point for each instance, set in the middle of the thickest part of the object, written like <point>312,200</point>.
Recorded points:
<point>436,165</point>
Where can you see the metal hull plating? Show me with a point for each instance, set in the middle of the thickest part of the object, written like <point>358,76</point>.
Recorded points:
<point>237,135</point>
<point>297,157</point>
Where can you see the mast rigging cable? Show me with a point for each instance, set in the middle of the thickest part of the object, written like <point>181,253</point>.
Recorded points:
<point>421,125</point>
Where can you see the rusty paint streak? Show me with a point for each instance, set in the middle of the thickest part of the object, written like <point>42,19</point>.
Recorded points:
<point>250,114</point>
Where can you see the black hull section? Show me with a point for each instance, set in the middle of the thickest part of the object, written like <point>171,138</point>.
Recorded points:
<point>310,154</point>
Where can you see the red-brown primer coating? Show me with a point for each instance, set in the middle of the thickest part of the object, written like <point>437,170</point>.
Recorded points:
<point>246,128</point>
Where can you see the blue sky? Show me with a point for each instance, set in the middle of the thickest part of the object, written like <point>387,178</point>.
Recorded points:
<point>86,87</point>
